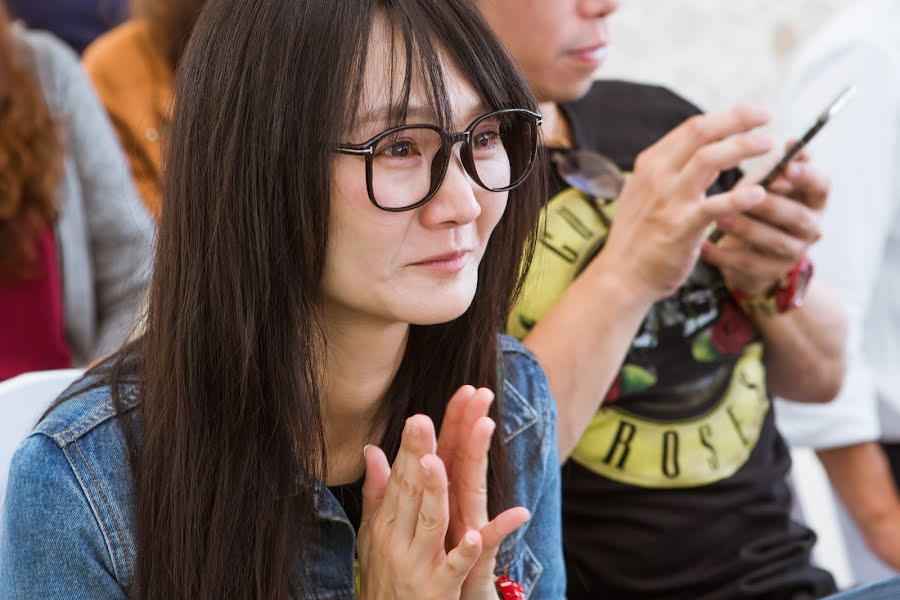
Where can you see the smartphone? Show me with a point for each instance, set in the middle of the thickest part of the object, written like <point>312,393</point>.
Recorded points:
<point>832,109</point>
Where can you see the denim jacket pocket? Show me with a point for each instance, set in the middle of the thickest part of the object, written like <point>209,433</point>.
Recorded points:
<point>518,562</point>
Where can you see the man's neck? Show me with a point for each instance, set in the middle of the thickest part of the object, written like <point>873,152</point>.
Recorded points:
<point>556,128</point>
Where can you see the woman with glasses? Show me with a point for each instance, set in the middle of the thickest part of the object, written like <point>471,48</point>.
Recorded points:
<point>311,411</point>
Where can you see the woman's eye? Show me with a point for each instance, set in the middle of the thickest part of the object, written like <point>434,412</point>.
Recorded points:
<point>399,149</point>
<point>486,139</point>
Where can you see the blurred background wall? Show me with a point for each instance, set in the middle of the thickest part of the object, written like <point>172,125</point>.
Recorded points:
<point>714,52</point>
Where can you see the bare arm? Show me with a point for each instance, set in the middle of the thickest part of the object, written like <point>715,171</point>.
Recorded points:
<point>862,478</point>
<point>587,334</point>
<point>805,349</point>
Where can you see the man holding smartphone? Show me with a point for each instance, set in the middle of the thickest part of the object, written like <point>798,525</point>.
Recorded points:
<point>663,348</point>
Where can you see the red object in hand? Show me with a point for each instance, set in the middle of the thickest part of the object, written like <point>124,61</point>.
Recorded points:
<point>509,589</point>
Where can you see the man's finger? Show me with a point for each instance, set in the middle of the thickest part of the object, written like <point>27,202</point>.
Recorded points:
<point>748,264</point>
<point>811,187</point>
<point>707,162</point>
<point>763,237</point>
<point>789,215</point>
<point>680,144</point>
<point>700,215</point>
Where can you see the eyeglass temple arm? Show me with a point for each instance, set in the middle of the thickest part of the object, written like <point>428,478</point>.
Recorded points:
<point>353,150</point>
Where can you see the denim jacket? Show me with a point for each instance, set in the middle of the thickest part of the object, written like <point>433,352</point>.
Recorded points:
<point>68,532</point>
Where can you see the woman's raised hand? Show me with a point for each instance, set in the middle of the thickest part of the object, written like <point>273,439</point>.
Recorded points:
<point>406,514</point>
<point>463,446</point>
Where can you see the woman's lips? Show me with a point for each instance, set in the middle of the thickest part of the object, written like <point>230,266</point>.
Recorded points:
<point>592,56</point>
<point>453,262</point>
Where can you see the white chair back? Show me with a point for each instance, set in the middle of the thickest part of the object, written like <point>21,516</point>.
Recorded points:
<point>23,400</point>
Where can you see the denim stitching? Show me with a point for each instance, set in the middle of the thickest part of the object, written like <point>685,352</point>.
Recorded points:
<point>108,505</point>
<point>531,414</point>
<point>70,434</point>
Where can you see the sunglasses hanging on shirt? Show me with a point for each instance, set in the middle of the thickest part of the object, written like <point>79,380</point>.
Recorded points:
<point>592,174</point>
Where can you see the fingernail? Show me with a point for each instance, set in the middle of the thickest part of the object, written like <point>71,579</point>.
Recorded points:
<point>760,114</point>
<point>794,170</point>
<point>366,449</point>
<point>470,539</point>
<point>425,466</point>
<point>762,142</point>
<point>755,193</point>
<point>411,427</point>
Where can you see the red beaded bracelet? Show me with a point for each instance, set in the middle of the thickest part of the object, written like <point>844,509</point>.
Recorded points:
<point>509,589</point>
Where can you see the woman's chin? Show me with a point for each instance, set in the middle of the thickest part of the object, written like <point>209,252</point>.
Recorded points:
<point>440,308</point>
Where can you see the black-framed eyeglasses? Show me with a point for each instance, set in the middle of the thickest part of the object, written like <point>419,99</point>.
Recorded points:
<point>406,165</point>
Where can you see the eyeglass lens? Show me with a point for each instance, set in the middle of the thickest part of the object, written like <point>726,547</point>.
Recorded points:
<point>409,164</point>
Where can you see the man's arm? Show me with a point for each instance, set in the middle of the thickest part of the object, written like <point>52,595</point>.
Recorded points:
<point>805,349</point>
<point>862,478</point>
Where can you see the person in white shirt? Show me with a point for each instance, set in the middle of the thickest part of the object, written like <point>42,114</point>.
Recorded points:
<point>858,257</point>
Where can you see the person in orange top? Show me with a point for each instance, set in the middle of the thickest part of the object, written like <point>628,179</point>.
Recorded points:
<point>132,67</point>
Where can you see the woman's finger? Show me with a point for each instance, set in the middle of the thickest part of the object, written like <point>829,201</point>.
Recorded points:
<point>434,513</point>
<point>501,526</point>
<point>405,485</point>
<point>460,561</point>
<point>377,473</point>
<point>452,425</point>
<point>470,483</point>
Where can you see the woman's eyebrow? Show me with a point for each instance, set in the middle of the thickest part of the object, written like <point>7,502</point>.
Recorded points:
<point>382,113</point>
<point>415,113</point>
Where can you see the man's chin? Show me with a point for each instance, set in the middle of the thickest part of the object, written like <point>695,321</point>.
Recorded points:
<point>565,91</point>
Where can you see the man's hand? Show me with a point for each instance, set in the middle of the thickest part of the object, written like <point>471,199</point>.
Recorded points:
<point>663,213</point>
<point>762,245</point>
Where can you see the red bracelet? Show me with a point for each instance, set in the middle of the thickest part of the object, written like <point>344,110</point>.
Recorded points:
<point>509,589</point>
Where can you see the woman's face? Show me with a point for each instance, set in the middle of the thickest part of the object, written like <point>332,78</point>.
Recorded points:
<point>419,266</point>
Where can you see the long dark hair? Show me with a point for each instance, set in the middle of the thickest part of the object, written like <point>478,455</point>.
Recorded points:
<point>229,368</point>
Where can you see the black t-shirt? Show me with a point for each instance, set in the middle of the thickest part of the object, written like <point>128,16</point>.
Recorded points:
<point>677,489</point>
<point>350,498</point>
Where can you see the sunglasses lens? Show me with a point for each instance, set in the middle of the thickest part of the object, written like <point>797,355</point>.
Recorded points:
<point>590,172</point>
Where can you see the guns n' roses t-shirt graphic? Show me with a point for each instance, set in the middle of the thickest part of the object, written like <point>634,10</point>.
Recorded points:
<point>688,404</point>
<point>676,490</point>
